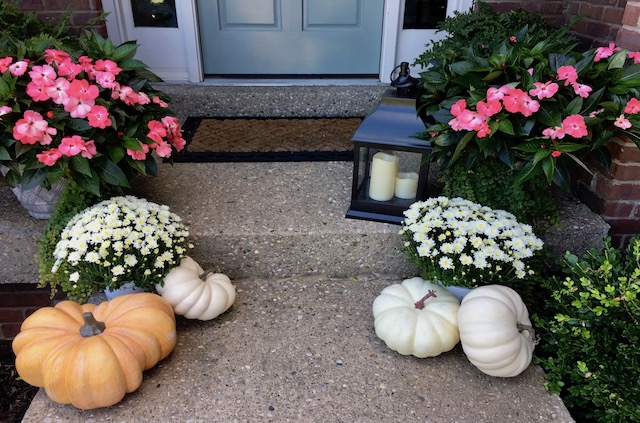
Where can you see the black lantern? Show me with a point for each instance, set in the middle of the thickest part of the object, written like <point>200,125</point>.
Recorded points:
<point>390,166</point>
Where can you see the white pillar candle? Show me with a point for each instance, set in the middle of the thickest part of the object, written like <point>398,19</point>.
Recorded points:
<point>384,169</point>
<point>406,185</point>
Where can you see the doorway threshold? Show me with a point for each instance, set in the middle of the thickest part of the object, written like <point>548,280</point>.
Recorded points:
<point>289,82</point>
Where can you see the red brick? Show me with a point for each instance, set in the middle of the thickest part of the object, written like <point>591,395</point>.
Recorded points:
<point>624,152</point>
<point>83,18</point>
<point>31,5</point>
<point>624,172</point>
<point>623,226</point>
<point>599,30</point>
<point>620,240</point>
<point>590,11</point>
<point>592,199</point>
<point>631,15</point>
<point>9,330</point>
<point>64,4</point>
<point>24,299</point>
<point>628,39</point>
<point>615,190</point>
<point>618,209</point>
<point>11,315</point>
<point>613,15</point>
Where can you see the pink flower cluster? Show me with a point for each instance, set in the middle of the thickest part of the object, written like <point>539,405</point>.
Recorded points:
<point>61,81</point>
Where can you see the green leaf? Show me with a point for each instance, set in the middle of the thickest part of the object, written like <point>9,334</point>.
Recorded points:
<point>5,91</point>
<point>132,64</point>
<point>4,154</point>
<point>79,125</point>
<point>152,166</point>
<point>125,51</point>
<point>574,107</point>
<point>32,178</point>
<point>570,146</point>
<point>461,68</point>
<point>80,164</point>
<point>506,127</point>
<point>561,176</point>
<point>631,75</point>
<point>617,60</point>
<point>549,115</point>
<point>113,175</point>
<point>462,145</point>
<point>116,152</point>
<point>131,143</point>
<point>548,167</point>
<point>136,165</point>
<point>527,172</point>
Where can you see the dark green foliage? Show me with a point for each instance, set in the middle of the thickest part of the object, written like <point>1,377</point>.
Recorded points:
<point>491,184</point>
<point>485,26</point>
<point>590,334</point>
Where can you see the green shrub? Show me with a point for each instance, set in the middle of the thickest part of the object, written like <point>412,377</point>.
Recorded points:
<point>485,26</point>
<point>590,332</point>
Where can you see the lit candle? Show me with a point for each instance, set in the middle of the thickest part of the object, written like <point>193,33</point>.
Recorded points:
<point>384,169</point>
<point>406,185</point>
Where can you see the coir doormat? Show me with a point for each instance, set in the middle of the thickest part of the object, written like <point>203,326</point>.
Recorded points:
<point>267,139</point>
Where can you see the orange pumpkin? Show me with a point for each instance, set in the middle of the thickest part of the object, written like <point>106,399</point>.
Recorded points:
<point>91,355</point>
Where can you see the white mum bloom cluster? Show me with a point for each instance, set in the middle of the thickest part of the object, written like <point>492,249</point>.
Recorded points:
<point>463,243</point>
<point>123,239</point>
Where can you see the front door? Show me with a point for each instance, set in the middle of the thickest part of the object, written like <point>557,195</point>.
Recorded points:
<point>290,37</point>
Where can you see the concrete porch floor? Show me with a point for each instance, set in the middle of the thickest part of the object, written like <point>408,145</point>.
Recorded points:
<point>298,345</point>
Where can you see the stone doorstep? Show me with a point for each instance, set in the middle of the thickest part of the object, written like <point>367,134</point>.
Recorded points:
<point>303,349</point>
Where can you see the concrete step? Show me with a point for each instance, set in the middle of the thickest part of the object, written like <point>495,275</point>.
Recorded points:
<point>303,349</point>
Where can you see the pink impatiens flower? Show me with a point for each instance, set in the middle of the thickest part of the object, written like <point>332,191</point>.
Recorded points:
<point>55,56</point>
<point>160,102</point>
<point>622,122</point>
<point>494,94</point>
<point>575,126</point>
<point>582,90</point>
<point>43,75</point>
<point>555,153</point>
<point>139,154</point>
<point>98,117</point>
<point>32,128</point>
<point>604,52</point>
<point>554,133</point>
<point>489,108</point>
<point>74,145</point>
<point>544,90</point>
<point>19,68</point>
<point>37,92</point>
<point>49,157</point>
<point>58,92</point>
<point>635,55</point>
<point>4,63</point>
<point>4,110</point>
<point>632,107</point>
<point>567,74</point>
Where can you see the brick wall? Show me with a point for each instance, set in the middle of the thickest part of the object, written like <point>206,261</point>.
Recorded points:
<point>82,11</point>
<point>17,302</point>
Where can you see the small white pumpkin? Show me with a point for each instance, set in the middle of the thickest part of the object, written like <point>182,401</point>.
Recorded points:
<point>417,317</point>
<point>194,295</point>
<point>495,331</point>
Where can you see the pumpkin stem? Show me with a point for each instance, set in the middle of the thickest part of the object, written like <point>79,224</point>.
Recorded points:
<point>532,332</point>
<point>91,326</point>
<point>420,303</point>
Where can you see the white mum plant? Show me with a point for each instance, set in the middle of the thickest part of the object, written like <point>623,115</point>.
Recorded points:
<point>461,243</point>
<point>123,239</point>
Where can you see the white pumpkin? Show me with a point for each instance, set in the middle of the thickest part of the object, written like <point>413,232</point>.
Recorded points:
<point>194,295</point>
<point>495,331</point>
<point>411,330</point>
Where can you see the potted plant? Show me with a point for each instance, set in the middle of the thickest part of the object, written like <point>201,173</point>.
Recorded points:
<point>91,116</point>
<point>463,244</point>
<point>528,108</point>
<point>120,240</point>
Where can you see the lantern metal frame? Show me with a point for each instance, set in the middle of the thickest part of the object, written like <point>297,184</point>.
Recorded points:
<point>390,127</point>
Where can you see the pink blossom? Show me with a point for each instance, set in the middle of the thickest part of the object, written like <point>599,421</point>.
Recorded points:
<point>544,90</point>
<point>604,52</point>
<point>489,108</point>
<point>567,74</point>
<point>157,131</point>
<point>582,90</point>
<point>622,122</point>
<point>43,75</point>
<point>595,113</point>
<point>513,39</point>
<point>55,56</point>
<point>125,94</point>
<point>4,110</point>
<point>33,128</point>
<point>99,117</point>
<point>139,154</point>
<point>69,69</point>
<point>163,149</point>
<point>81,88</point>
<point>143,98</point>
<point>555,153</point>
<point>458,107</point>
<point>107,66</point>
<point>574,125</point>
<point>74,145</point>
<point>19,68</point>
<point>528,106</point>
<point>554,133</point>
<point>78,107</point>
<point>178,142</point>
<point>159,101</point>
<point>497,93</point>
<point>632,107</point>
<point>37,92</point>
<point>49,157</point>
<point>635,55</point>
<point>530,71</point>
<point>483,130</point>
<point>4,63</point>
<point>58,91</point>
<point>106,80</point>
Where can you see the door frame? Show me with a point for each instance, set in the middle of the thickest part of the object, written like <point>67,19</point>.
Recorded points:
<point>120,28</point>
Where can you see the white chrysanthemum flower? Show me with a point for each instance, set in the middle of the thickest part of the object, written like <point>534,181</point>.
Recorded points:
<point>466,260</point>
<point>130,260</point>
<point>74,277</point>
<point>446,263</point>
